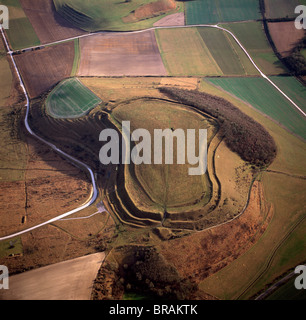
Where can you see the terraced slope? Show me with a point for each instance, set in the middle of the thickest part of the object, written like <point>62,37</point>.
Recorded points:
<point>93,15</point>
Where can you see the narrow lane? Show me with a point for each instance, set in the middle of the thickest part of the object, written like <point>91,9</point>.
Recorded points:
<point>94,192</point>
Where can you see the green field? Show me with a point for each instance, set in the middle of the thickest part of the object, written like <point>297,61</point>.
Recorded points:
<point>184,53</point>
<point>253,38</point>
<point>77,57</point>
<point>212,12</point>
<point>202,52</point>
<point>20,33</point>
<point>71,99</point>
<point>293,88</point>
<point>94,15</point>
<point>226,52</point>
<point>264,97</point>
<point>281,8</point>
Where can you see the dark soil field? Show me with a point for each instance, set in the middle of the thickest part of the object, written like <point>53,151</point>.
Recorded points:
<point>42,69</point>
<point>285,36</point>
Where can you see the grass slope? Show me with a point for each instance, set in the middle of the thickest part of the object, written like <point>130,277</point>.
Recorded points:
<point>94,15</point>
<point>71,99</point>
<point>168,185</point>
<point>262,96</point>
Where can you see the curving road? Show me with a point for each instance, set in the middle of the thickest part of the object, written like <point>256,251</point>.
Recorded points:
<point>94,193</point>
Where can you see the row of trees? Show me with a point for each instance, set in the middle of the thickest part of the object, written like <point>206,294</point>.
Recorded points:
<point>242,134</point>
<point>296,62</point>
<point>145,271</point>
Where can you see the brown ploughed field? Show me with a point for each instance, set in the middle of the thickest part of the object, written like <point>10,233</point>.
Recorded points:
<point>42,69</point>
<point>121,55</point>
<point>285,36</point>
<point>48,25</point>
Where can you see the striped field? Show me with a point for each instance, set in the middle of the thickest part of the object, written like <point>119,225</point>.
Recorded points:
<point>71,99</point>
<point>202,52</point>
<point>264,97</point>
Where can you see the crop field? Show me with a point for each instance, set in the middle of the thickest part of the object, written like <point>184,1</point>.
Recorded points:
<point>281,8</point>
<point>202,51</point>
<point>293,88</point>
<point>48,25</point>
<point>20,33</point>
<point>113,15</point>
<point>253,38</point>
<point>228,55</point>
<point>42,69</point>
<point>212,12</point>
<point>71,99</point>
<point>185,53</point>
<point>285,36</point>
<point>120,54</point>
<point>262,96</point>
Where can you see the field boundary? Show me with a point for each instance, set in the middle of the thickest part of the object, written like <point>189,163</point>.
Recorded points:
<point>77,57</point>
<point>187,26</point>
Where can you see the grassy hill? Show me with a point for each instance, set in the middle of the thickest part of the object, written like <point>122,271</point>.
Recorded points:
<point>94,15</point>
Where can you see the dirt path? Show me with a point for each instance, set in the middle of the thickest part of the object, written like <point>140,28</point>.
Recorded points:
<point>68,280</point>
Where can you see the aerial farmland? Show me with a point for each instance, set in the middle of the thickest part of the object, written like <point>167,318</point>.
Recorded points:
<point>157,144</point>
